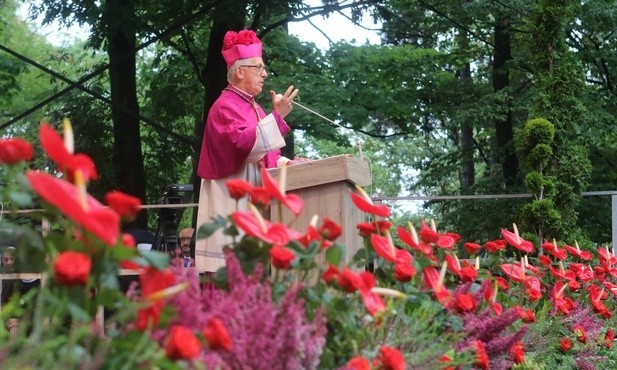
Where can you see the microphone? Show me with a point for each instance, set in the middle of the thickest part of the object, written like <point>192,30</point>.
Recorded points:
<point>358,144</point>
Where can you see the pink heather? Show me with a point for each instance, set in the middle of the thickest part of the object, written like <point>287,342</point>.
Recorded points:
<point>265,335</point>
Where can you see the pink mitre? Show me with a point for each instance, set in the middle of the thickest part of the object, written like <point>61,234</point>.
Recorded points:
<point>240,45</point>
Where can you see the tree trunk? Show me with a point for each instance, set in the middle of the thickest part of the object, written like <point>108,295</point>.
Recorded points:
<point>467,172</point>
<point>127,159</point>
<point>501,81</point>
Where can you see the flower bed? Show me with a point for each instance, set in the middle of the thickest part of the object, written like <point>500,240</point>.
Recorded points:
<point>407,300</point>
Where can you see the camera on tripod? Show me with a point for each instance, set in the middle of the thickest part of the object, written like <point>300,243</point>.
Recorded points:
<point>166,238</point>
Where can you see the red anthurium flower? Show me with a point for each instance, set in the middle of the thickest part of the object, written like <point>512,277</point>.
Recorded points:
<point>609,337</point>
<point>516,241</point>
<point>182,344</point>
<point>54,146</point>
<point>282,257</point>
<point>584,272</point>
<point>384,247</point>
<point>596,293</point>
<point>87,212</point>
<point>15,150</point>
<point>365,204</point>
<point>311,235</point>
<point>217,335</point>
<point>391,358</point>
<point>472,248</point>
<point>72,268</point>
<point>580,333</point>
<point>495,246</point>
<point>561,273</point>
<point>565,344</point>
<point>256,226</point>
<point>151,282</point>
<point>584,255</point>
<point>238,188</point>
<point>527,314</point>
<point>545,260</point>
<point>404,271</point>
<point>428,234</point>
<point>260,197</point>
<point>514,271</point>
<point>350,281</point>
<point>481,356</point>
<point>411,239</point>
<point>464,302</point>
<point>574,285</point>
<point>611,287</point>
<point>517,352</point>
<point>358,363</point>
<point>561,302</point>
<point>434,280</point>
<point>606,257</point>
<point>127,206</point>
<point>502,283</point>
<point>292,201</point>
<point>532,288</point>
<point>372,301</point>
<point>554,250</point>
<point>497,308</point>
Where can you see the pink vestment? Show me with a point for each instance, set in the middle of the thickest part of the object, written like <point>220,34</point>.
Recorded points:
<point>229,138</point>
<point>230,135</point>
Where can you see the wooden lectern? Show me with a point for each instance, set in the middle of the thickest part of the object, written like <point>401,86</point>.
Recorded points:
<point>324,186</point>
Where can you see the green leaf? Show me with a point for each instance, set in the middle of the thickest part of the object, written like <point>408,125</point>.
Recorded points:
<point>335,254</point>
<point>154,258</point>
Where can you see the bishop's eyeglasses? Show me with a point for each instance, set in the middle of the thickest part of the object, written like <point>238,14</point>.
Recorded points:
<point>260,67</point>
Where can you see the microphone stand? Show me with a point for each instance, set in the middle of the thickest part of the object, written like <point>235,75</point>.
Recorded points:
<point>358,145</point>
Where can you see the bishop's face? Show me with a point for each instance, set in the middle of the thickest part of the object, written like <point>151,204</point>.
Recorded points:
<point>252,74</point>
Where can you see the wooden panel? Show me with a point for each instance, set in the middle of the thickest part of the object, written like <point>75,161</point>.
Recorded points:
<point>328,200</point>
<point>327,170</point>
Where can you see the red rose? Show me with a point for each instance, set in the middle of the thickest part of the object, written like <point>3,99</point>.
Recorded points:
<point>238,188</point>
<point>331,274</point>
<point>565,344</point>
<point>330,229</point>
<point>464,302</point>
<point>366,229</point>
<point>391,358</point>
<point>182,344</point>
<point>127,206</point>
<point>358,363</point>
<point>282,257</point>
<point>471,248</point>
<point>72,268</point>
<point>217,335</point>
<point>15,150</point>
<point>517,351</point>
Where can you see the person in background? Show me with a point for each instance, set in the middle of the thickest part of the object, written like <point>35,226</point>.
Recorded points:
<point>186,242</point>
<point>239,138</point>
<point>11,287</point>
